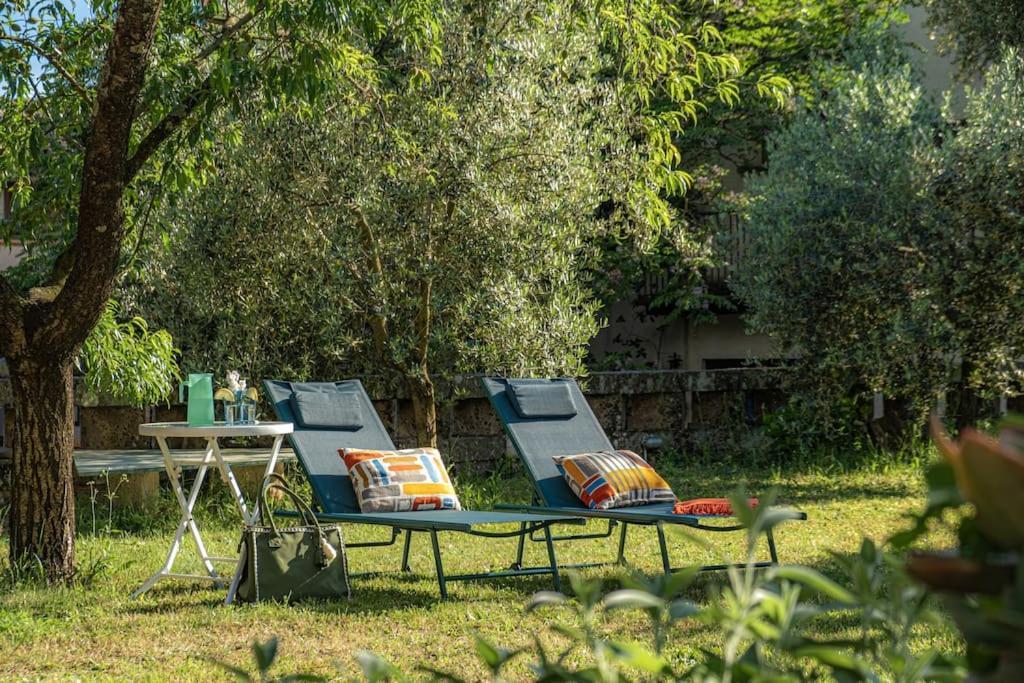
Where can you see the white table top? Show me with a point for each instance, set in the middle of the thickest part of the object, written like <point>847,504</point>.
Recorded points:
<point>218,429</point>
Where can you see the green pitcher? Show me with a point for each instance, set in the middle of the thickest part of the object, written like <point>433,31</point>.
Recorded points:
<point>200,399</point>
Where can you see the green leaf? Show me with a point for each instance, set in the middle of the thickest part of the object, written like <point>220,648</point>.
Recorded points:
<point>636,655</point>
<point>544,598</point>
<point>833,657</point>
<point>376,669</point>
<point>683,609</point>
<point>813,580</point>
<point>632,599</point>
<point>265,654</point>
<point>494,657</point>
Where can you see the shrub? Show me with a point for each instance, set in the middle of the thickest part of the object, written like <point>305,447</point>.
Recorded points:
<point>884,245</point>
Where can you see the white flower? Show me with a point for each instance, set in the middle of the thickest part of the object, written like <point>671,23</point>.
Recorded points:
<point>233,379</point>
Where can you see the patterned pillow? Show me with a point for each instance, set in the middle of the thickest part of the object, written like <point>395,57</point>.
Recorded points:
<point>613,479</point>
<point>400,481</point>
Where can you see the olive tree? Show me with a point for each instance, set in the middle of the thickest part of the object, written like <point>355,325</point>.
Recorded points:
<point>439,223</point>
<point>972,256</point>
<point>834,227</point>
<point>885,245</point>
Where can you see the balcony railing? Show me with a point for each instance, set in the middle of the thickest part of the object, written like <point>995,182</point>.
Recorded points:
<point>729,244</point>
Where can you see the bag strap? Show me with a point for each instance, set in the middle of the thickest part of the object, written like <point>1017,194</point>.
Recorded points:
<point>276,481</point>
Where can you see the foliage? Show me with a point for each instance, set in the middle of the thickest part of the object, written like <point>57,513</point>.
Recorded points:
<point>464,207</point>
<point>205,56</point>
<point>448,231</point>
<point>781,47</point>
<point>976,31</point>
<point>864,247</point>
<point>780,41</point>
<point>127,361</point>
<point>976,491</point>
<point>832,225</point>
<point>973,272</point>
<point>264,655</point>
<point>808,425</point>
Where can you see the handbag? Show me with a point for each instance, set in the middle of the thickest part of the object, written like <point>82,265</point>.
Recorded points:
<point>291,563</point>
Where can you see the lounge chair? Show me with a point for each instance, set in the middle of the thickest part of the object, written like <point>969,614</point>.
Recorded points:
<point>335,499</point>
<point>539,437</point>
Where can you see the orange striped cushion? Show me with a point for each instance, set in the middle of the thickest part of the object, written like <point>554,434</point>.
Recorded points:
<point>400,481</point>
<point>613,479</point>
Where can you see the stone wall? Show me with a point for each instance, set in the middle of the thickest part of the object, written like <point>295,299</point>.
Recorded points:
<point>689,409</point>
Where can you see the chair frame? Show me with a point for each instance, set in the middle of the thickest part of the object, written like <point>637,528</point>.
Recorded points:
<point>378,439</point>
<point>624,516</point>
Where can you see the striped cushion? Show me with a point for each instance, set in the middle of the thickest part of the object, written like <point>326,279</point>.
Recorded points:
<point>400,481</point>
<point>613,479</point>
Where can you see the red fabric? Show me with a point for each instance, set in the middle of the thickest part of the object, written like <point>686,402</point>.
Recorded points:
<point>708,506</point>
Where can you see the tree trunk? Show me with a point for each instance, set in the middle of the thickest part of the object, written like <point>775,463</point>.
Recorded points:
<point>424,408</point>
<point>43,494</point>
<point>41,333</point>
<point>969,406</point>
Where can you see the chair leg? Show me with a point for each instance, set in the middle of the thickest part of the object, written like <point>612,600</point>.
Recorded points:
<point>519,551</point>
<point>551,558</point>
<point>405,550</point>
<point>437,565</point>
<point>771,547</point>
<point>666,565</point>
<point>622,544</point>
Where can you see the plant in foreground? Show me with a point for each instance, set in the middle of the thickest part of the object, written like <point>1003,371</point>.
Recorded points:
<point>766,619</point>
<point>264,655</point>
<point>982,479</point>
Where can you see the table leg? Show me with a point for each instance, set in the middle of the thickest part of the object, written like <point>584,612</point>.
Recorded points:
<point>250,519</point>
<point>229,478</point>
<point>237,578</point>
<point>187,504</point>
<point>192,526</point>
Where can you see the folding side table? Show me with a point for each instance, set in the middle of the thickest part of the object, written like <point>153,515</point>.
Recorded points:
<point>212,457</point>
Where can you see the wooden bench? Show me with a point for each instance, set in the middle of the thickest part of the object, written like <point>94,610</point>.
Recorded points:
<point>143,468</point>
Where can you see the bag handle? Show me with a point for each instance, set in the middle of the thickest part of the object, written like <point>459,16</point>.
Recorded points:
<point>276,481</point>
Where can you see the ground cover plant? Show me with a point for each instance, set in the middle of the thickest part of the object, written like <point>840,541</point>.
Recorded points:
<point>95,631</point>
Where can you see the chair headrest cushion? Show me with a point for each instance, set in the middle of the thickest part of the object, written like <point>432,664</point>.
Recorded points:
<point>542,398</point>
<point>325,407</point>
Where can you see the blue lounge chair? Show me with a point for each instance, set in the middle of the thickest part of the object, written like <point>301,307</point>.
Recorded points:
<point>558,421</point>
<point>335,499</point>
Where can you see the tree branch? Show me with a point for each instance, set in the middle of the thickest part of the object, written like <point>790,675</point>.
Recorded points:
<point>378,324</point>
<point>231,27</point>
<point>54,59</point>
<point>97,245</point>
<point>165,128</point>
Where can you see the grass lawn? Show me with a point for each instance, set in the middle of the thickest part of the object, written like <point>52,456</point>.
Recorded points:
<point>95,631</point>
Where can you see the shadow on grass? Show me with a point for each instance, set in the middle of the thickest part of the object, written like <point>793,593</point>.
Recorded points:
<point>402,591</point>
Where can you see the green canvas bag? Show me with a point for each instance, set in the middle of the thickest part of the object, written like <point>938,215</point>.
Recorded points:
<point>291,563</point>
